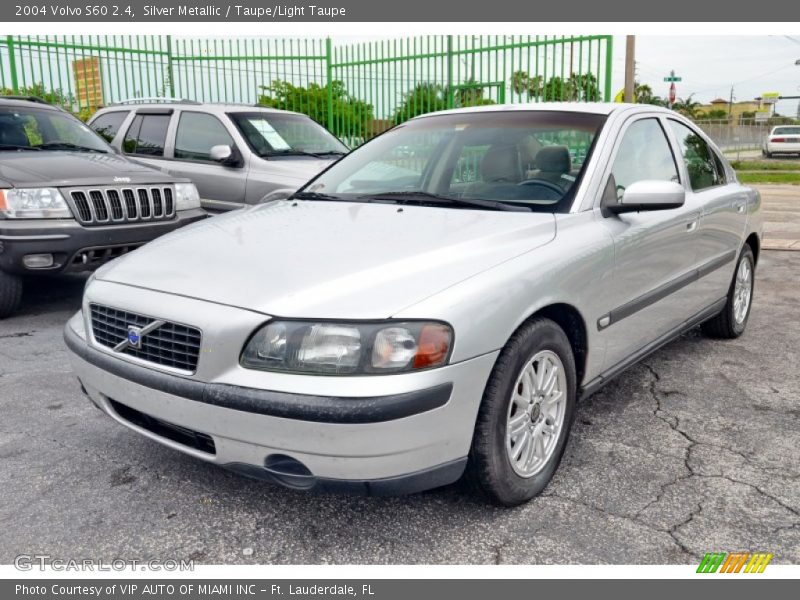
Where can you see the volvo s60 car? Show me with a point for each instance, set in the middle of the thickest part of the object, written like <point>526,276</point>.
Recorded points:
<point>431,306</point>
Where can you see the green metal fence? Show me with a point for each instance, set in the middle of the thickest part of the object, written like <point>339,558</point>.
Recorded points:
<point>356,90</point>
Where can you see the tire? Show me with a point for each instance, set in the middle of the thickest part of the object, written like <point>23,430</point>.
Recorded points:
<point>491,468</point>
<point>731,321</point>
<point>10,294</point>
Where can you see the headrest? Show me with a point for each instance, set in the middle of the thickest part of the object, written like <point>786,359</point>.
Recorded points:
<point>501,163</point>
<point>554,159</point>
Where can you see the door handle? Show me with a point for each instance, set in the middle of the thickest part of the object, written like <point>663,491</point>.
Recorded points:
<point>739,206</point>
<point>691,226</point>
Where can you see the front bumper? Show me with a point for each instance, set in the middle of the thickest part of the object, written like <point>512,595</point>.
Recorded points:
<point>371,443</point>
<point>75,247</point>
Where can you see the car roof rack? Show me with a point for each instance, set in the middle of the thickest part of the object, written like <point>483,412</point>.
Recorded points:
<point>154,100</point>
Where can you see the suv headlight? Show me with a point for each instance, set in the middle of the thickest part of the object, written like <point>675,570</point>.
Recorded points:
<point>333,348</point>
<point>186,196</point>
<point>33,203</point>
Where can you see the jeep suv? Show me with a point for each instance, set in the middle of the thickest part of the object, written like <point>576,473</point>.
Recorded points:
<point>236,154</point>
<point>69,202</point>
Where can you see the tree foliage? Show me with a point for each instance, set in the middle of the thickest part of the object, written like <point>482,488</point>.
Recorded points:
<point>578,87</point>
<point>351,117</point>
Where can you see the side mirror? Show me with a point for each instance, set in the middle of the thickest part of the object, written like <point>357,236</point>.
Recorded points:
<point>649,195</point>
<point>221,153</point>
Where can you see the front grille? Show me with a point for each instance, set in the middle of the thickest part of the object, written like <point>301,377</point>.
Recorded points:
<point>112,206</point>
<point>176,433</point>
<point>169,345</point>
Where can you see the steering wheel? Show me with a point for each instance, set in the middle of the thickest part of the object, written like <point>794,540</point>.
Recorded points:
<point>543,183</point>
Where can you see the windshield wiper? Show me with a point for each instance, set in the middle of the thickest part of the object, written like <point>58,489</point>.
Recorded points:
<point>301,153</point>
<point>425,197</point>
<point>68,146</point>
<point>314,196</point>
<point>17,147</point>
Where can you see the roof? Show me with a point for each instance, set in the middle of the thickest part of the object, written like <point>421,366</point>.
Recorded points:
<point>600,108</point>
<point>27,101</point>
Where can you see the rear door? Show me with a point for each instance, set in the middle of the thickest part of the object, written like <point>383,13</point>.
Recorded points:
<point>655,251</point>
<point>723,202</point>
<point>145,139</point>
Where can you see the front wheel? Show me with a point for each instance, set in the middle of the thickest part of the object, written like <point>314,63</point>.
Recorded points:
<point>732,320</point>
<point>10,294</point>
<point>525,415</point>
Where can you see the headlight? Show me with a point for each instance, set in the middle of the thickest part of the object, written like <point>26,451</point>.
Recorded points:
<point>348,348</point>
<point>33,203</point>
<point>186,196</point>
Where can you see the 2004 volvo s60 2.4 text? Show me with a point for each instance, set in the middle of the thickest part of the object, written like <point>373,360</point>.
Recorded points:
<point>432,305</point>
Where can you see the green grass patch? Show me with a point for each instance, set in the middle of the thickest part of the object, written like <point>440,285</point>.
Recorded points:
<point>769,177</point>
<point>765,165</point>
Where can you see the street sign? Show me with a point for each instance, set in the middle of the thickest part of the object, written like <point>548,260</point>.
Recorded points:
<point>770,97</point>
<point>672,77</point>
<point>672,93</point>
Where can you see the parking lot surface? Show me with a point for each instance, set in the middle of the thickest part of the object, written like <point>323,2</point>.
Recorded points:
<point>696,450</point>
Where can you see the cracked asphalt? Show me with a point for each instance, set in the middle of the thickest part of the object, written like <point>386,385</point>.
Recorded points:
<point>696,450</point>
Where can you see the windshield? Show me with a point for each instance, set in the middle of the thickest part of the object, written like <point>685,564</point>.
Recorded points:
<point>531,159</point>
<point>786,131</point>
<point>275,134</point>
<point>34,128</point>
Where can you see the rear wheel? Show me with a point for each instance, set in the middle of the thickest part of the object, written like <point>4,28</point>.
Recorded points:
<point>732,320</point>
<point>525,416</point>
<point>10,294</point>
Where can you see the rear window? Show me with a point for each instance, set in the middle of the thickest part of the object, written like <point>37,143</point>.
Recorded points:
<point>147,135</point>
<point>786,131</point>
<point>108,125</point>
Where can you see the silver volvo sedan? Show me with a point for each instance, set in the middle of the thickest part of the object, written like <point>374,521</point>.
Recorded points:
<point>431,306</point>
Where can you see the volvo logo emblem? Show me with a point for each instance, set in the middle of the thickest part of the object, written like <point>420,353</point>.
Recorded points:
<point>133,339</point>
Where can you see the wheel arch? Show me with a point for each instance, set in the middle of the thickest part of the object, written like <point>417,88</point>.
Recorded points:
<point>755,245</point>
<point>573,324</point>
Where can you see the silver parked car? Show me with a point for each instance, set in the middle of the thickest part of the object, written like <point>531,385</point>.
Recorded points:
<point>235,154</point>
<point>434,303</point>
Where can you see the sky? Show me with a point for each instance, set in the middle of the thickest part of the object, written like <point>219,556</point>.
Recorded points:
<point>710,65</point>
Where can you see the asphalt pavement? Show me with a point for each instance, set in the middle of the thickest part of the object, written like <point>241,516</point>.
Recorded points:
<point>695,450</point>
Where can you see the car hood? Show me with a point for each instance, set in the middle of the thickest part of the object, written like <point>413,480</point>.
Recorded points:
<point>289,171</point>
<point>63,169</point>
<point>324,259</point>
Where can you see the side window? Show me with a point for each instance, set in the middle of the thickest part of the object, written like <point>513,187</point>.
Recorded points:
<point>644,154</point>
<point>146,135</point>
<point>197,133</point>
<point>699,159</point>
<point>108,124</point>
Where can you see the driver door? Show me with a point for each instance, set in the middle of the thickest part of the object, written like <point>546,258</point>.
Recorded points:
<point>655,251</point>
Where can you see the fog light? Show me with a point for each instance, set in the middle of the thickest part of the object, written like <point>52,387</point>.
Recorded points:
<point>38,261</point>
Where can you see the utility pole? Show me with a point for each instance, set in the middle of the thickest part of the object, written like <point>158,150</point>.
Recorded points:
<point>730,105</point>
<point>630,66</point>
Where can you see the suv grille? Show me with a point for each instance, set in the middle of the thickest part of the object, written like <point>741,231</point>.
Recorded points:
<point>169,345</point>
<point>112,206</point>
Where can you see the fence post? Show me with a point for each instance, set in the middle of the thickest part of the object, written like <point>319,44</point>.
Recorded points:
<point>12,61</point>
<point>329,81</point>
<point>169,68</point>
<point>450,94</point>
<point>609,51</point>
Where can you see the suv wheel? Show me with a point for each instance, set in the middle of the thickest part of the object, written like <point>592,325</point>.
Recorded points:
<point>525,416</point>
<point>10,294</point>
<point>730,323</point>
